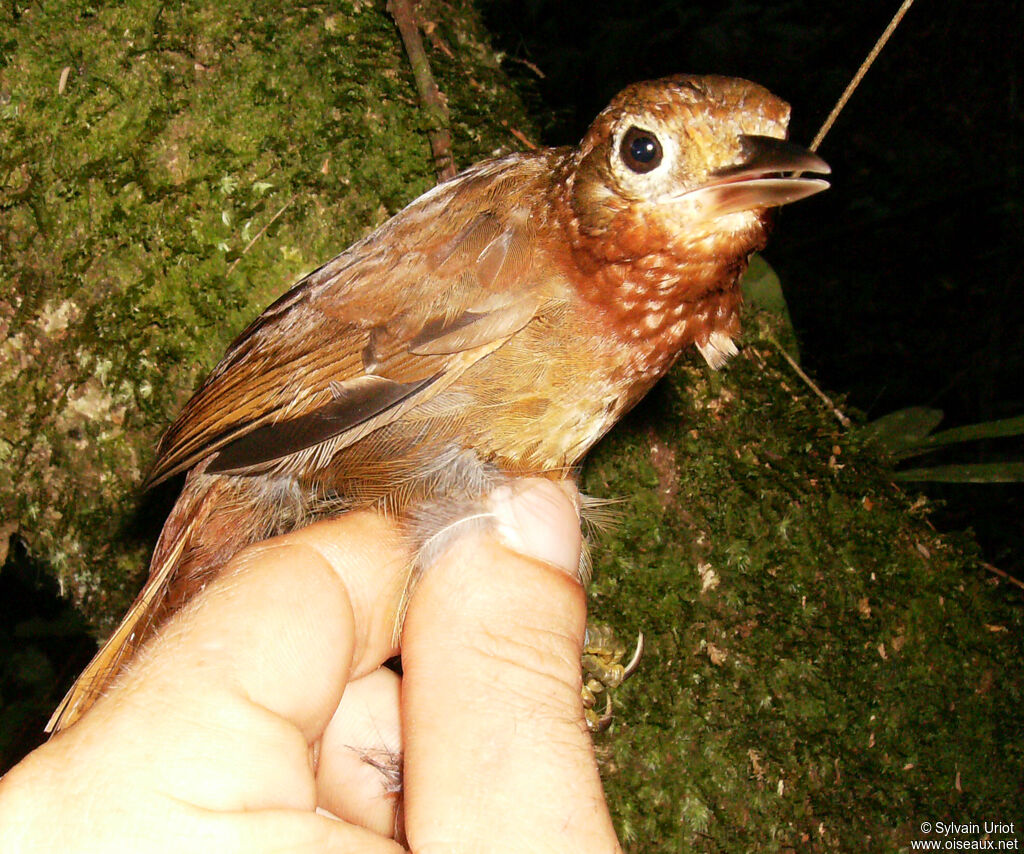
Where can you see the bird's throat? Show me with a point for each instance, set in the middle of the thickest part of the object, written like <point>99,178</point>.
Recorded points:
<point>658,292</point>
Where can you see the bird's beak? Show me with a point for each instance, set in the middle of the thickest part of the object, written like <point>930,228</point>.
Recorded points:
<point>768,174</point>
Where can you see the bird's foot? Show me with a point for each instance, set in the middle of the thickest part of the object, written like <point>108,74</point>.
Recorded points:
<point>604,671</point>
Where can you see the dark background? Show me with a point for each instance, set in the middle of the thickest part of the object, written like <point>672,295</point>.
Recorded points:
<point>905,280</point>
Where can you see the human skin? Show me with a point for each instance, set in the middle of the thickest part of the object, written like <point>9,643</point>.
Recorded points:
<point>261,701</point>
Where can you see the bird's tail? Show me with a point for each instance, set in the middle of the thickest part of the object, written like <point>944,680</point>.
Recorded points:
<point>213,518</point>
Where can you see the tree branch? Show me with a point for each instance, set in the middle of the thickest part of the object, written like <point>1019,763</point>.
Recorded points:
<point>430,96</point>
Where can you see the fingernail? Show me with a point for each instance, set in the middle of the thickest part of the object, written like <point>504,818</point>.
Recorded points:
<point>540,519</point>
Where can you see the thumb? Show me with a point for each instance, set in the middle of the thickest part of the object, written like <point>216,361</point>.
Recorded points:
<point>497,753</point>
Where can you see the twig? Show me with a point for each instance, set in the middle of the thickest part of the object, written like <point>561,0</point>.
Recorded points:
<point>430,96</point>
<point>1003,574</point>
<point>261,232</point>
<point>438,43</point>
<point>534,68</point>
<point>522,137</point>
<point>813,387</point>
<point>864,66</point>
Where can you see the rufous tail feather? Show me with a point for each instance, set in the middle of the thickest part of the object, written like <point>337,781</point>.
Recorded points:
<point>107,663</point>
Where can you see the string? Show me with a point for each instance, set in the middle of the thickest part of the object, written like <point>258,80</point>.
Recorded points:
<point>864,66</point>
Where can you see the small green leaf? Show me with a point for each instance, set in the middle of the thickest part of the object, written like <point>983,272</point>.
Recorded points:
<point>907,432</point>
<point>762,287</point>
<point>901,431</point>
<point>1008,472</point>
<point>971,432</point>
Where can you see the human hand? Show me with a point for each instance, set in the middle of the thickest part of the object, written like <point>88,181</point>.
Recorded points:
<point>260,701</point>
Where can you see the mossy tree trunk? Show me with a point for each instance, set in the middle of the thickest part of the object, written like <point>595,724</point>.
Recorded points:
<point>167,171</point>
<point>824,671</point>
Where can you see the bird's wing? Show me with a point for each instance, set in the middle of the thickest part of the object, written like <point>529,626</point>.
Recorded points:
<point>379,330</point>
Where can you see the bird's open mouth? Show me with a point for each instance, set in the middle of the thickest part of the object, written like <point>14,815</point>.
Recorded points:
<point>768,174</point>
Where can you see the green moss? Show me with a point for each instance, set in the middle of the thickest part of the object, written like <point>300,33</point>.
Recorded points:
<point>823,670</point>
<point>196,162</point>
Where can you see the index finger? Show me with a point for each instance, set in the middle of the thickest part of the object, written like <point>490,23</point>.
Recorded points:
<point>285,625</point>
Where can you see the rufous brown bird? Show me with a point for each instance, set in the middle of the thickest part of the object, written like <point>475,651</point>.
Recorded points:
<point>498,326</point>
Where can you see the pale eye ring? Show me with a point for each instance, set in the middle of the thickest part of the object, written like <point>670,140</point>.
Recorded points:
<point>640,150</point>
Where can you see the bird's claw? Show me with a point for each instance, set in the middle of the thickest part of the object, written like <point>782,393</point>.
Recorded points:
<point>604,671</point>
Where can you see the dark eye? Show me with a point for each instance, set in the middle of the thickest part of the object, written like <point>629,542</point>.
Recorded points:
<point>640,150</point>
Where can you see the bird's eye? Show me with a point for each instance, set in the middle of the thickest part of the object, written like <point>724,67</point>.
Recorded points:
<point>640,150</point>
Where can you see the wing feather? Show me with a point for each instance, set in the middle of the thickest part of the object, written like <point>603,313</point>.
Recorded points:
<point>391,322</point>
<point>356,402</point>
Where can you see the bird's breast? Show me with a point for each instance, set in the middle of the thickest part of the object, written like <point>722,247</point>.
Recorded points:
<point>548,394</point>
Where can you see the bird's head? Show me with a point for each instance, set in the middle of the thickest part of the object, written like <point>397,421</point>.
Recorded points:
<point>686,156</point>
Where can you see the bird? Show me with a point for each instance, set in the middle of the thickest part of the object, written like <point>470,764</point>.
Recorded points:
<point>496,327</point>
